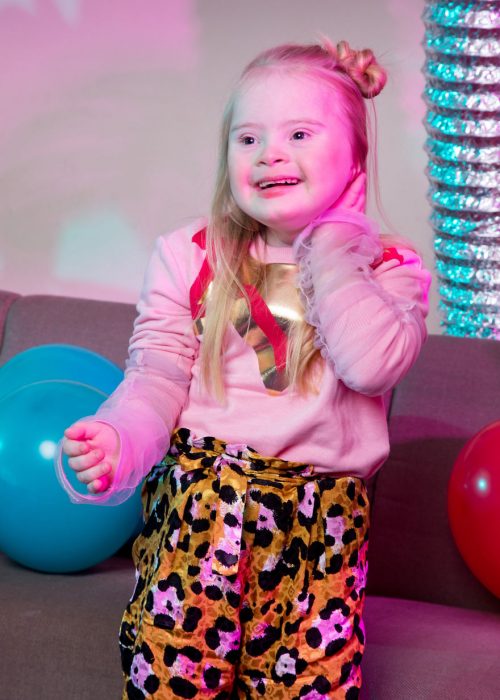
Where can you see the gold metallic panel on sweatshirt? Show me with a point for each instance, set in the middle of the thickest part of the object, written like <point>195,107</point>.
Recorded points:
<point>282,298</point>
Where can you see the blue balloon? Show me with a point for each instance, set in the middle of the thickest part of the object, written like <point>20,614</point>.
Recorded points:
<point>58,361</point>
<point>39,526</point>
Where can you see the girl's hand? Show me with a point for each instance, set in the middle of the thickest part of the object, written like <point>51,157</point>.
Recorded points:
<point>354,195</point>
<point>353,198</point>
<point>93,449</point>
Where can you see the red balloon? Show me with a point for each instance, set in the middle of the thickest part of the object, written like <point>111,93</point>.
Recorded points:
<point>474,505</point>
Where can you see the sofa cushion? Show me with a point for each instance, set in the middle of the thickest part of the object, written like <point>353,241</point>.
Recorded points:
<point>424,651</point>
<point>66,629</point>
<point>102,326</point>
<point>6,300</point>
<point>435,410</point>
<point>60,633</point>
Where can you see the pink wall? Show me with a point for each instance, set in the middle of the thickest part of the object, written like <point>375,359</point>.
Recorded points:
<point>110,112</point>
<point>82,77</point>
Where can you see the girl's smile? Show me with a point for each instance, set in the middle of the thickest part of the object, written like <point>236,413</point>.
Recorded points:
<point>289,152</point>
<point>274,190</point>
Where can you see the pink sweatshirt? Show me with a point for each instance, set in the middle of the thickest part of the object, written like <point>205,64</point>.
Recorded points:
<point>368,305</point>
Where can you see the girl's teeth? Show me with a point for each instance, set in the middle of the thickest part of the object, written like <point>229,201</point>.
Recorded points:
<point>263,185</point>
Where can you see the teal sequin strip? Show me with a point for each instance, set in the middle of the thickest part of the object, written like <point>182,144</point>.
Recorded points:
<point>473,14</point>
<point>484,325</point>
<point>461,42</point>
<point>437,98</point>
<point>470,252</point>
<point>465,297</point>
<point>478,277</point>
<point>464,150</point>
<point>463,175</point>
<point>456,72</point>
<point>458,199</point>
<point>473,330</point>
<point>462,94</point>
<point>453,125</point>
<point>465,225</point>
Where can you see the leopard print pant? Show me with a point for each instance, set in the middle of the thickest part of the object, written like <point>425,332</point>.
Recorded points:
<point>250,580</point>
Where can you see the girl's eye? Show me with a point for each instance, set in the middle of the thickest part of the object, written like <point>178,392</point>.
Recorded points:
<point>246,140</point>
<point>303,134</point>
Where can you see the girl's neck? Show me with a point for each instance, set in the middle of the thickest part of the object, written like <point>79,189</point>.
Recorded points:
<point>261,250</point>
<point>278,241</point>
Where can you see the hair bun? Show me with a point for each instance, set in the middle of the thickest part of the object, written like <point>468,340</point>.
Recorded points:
<point>361,66</point>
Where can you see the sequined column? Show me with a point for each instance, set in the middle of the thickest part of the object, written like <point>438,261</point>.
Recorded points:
<point>462,70</point>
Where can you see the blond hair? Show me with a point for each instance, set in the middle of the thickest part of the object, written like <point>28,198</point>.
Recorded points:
<point>230,231</point>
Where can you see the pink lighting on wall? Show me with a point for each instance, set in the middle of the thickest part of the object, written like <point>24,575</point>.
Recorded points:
<point>408,24</point>
<point>49,43</point>
<point>84,155</point>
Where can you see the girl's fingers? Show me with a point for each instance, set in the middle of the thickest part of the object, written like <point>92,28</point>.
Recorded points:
<point>99,485</point>
<point>86,461</point>
<point>76,431</point>
<point>74,448</point>
<point>87,476</point>
<point>81,431</point>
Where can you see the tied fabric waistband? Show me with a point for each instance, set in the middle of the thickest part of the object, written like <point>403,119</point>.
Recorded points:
<point>236,466</point>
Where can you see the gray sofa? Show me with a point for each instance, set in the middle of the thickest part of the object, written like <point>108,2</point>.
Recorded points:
<point>433,631</point>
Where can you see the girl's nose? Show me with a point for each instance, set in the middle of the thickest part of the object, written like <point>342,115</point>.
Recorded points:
<point>271,153</point>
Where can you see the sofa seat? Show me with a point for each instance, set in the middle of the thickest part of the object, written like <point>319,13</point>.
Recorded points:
<point>67,632</point>
<point>425,651</point>
<point>63,631</point>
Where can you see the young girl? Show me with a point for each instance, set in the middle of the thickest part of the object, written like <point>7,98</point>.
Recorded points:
<point>265,341</point>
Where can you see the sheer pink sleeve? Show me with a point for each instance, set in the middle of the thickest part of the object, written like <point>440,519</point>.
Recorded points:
<point>368,303</point>
<point>145,406</point>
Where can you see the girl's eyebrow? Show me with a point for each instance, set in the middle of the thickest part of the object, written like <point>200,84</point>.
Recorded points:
<point>245,125</point>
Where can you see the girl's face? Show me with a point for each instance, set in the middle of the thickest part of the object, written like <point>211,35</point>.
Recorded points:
<point>288,127</point>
